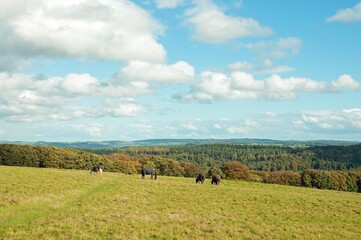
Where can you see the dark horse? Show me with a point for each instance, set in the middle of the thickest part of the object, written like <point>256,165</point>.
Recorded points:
<point>216,179</point>
<point>149,171</point>
<point>200,178</point>
<point>97,169</point>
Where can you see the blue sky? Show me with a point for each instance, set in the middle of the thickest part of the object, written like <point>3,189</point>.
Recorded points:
<point>81,70</point>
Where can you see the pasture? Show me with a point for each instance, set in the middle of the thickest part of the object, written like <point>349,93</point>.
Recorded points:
<point>70,204</point>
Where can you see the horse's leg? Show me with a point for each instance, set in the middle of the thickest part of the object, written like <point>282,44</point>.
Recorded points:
<point>101,172</point>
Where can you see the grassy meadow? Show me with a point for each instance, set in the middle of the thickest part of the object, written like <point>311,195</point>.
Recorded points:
<point>70,204</point>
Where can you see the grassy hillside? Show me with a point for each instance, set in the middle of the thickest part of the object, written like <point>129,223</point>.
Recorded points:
<point>69,204</point>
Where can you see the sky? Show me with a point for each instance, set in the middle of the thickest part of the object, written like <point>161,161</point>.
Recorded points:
<point>96,70</point>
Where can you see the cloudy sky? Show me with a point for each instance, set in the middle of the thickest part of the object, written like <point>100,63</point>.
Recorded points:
<point>79,70</point>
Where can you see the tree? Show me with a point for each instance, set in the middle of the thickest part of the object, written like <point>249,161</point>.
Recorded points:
<point>192,169</point>
<point>236,170</point>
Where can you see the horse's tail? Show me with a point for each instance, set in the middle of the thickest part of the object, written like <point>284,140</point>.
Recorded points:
<point>155,174</point>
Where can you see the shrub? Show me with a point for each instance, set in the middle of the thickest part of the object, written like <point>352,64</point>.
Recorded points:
<point>351,181</point>
<point>192,169</point>
<point>236,170</point>
<point>338,181</point>
<point>285,178</point>
<point>262,175</point>
<point>306,178</point>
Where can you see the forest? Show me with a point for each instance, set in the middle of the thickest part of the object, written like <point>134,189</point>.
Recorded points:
<point>324,167</point>
<point>268,158</point>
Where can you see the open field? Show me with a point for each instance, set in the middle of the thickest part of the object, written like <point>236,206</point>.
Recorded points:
<point>70,204</point>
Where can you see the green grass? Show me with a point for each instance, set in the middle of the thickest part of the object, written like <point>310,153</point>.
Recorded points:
<point>69,204</point>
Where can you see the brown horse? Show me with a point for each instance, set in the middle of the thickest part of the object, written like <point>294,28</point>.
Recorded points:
<point>216,179</point>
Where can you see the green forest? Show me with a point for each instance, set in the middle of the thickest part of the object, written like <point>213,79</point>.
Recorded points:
<point>268,158</point>
<point>324,167</point>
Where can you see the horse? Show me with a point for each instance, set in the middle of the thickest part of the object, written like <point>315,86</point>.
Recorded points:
<point>97,169</point>
<point>200,178</point>
<point>216,179</point>
<point>149,171</point>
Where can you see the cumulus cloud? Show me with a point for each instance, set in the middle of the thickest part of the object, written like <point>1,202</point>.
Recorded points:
<point>213,85</point>
<point>242,85</point>
<point>80,28</point>
<point>211,24</point>
<point>37,98</point>
<point>346,82</point>
<point>116,108</point>
<point>347,15</point>
<point>280,88</point>
<point>180,72</point>
<point>268,67</point>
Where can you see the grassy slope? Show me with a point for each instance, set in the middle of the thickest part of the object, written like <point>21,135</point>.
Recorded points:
<point>69,204</point>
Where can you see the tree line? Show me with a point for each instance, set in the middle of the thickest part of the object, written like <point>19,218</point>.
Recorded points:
<point>268,158</point>
<point>131,160</point>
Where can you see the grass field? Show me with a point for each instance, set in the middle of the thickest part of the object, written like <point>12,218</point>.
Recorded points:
<point>69,204</point>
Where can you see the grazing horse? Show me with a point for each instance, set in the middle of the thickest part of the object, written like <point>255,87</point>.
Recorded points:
<point>216,179</point>
<point>149,171</point>
<point>97,169</point>
<point>200,178</point>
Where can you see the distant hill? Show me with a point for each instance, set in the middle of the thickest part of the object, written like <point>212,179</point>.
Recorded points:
<point>168,142</point>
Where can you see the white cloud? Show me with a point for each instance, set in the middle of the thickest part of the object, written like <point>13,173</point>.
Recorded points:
<point>346,82</point>
<point>168,3</point>
<point>267,68</point>
<point>244,127</point>
<point>80,29</point>
<point>122,108</point>
<point>241,85</point>
<point>286,88</point>
<point>215,85</point>
<point>237,130</point>
<point>246,81</point>
<point>211,24</point>
<point>189,126</point>
<point>28,98</point>
<point>217,126</point>
<point>282,48</point>
<point>353,116</point>
<point>91,129</point>
<point>180,72</point>
<point>241,66</point>
<point>342,120</point>
<point>80,83</point>
<point>347,15</point>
